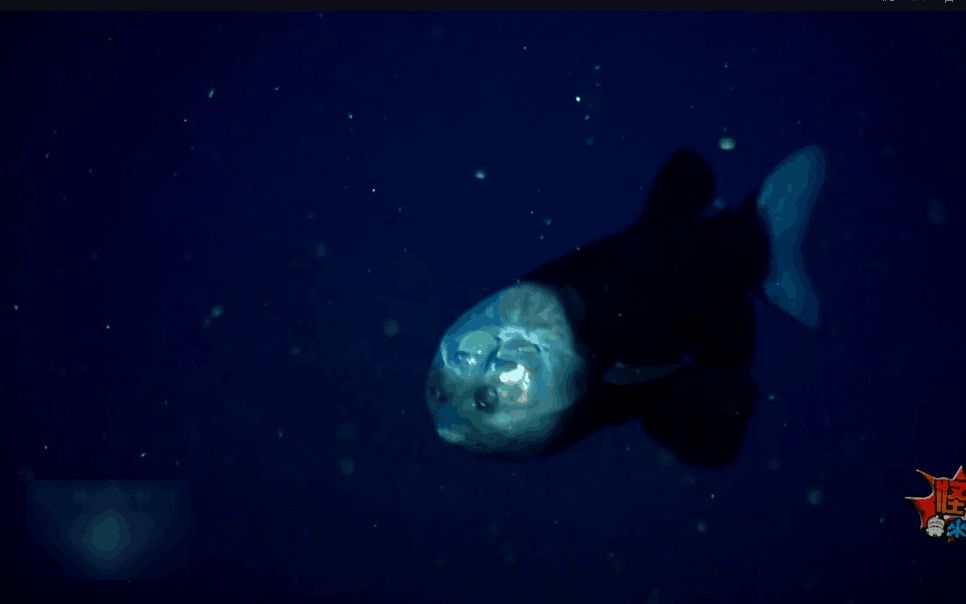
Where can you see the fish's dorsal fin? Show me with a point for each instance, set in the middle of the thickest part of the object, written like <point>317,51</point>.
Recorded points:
<point>681,191</point>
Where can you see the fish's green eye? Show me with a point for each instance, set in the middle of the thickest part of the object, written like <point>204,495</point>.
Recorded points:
<point>501,365</point>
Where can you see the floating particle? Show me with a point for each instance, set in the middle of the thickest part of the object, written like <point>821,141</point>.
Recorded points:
<point>548,221</point>
<point>216,311</point>
<point>16,307</point>
<point>347,466</point>
<point>702,527</point>
<point>596,67</point>
<point>143,454</point>
<point>577,98</point>
<point>815,496</point>
<point>726,143</point>
<point>349,115</point>
<point>211,92</point>
<point>480,174</point>
<point>280,432</point>
<point>390,327</point>
<point>107,326</point>
<point>771,396</point>
<point>589,141</point>
<point>937,212</point>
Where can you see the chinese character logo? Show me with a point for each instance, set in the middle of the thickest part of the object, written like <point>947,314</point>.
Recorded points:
<point>943,512</point>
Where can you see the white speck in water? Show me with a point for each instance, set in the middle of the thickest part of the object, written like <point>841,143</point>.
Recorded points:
<point>390,327</point>
<point>211,92</point>
<point>815,496</point>
<point>280,433</point>
<point>702,527</point>
<point>577,98</point>
<point>727,143</point>
<point>350,115</point>
<point>107,326</point>
<point>479,174</point>
<point>589,141</point>
<point>771,396</point>
<point>16,307</point>
<point>936,212</point>
<point>216,311</point>
<point>143,454</point>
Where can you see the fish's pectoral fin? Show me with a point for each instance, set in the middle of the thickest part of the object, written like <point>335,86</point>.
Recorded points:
<point>626,375</point>
<point>700,413</point>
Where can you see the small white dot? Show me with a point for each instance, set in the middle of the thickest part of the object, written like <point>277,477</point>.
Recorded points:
<point>107,326</point>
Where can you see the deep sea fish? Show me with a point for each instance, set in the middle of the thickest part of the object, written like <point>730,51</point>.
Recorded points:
<point>654,323</point>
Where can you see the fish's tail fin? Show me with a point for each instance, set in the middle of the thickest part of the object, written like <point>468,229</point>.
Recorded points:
<point>784,204</point>
<point>756,247</point>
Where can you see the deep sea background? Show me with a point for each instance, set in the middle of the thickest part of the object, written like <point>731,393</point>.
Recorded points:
<point>230,242</point>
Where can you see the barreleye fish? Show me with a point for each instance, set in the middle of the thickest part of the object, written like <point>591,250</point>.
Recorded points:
<point>654,323</point>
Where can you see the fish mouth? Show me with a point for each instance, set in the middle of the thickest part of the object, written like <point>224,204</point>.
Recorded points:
<point>451,436</point>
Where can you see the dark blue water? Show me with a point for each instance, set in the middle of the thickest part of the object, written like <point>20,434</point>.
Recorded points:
<point>230,243</point>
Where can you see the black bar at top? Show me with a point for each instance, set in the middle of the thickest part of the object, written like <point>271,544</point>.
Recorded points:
<point>879,6</point>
